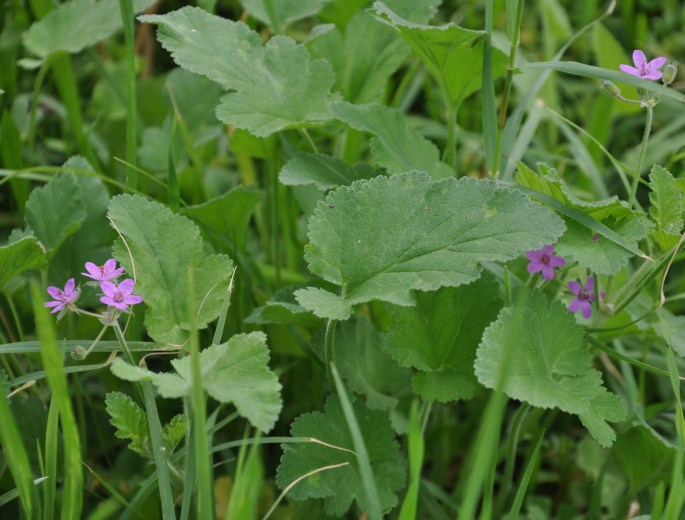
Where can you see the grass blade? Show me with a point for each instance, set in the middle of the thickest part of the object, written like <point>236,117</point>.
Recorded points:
<point>488,94</point>
<point>416,453</point>
<point>52,359</point>
<point>51,438</point>
<point>525,479</point>
<point>17,460</point>
<point>359,447</point>
<point>126,7</point>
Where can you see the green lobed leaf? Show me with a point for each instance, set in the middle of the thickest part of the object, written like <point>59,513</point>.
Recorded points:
<point>440,334</point>
<point>539,352</point>
<point>175,431</point>
<point>644,457</point>
<point>275,86</point>
<point>55,211</point>
<point>282,11</point>
<point>396,146</point>
<point>19,256</point>
<point>597,252</point>
<point>163,247</point>
<point>235,372</point>
<point>228,215</point>
<point>382,238</point>
<point>324,171</point>
<point>92,241</point>
<point>130,422</point>
<point>323,303</point>
<point>72,26</point>
<point>362,65</point>
<point>453,55</point>
<point>666,208</point>
<point>366,367</point>
<point>341,486</point>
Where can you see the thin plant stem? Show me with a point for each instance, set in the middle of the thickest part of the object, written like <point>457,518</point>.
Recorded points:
<point>641,158</point>
<point>329,347</point>
<point>156,439</point>
<point>126,7</point>
<point>508,81</point>
<point>310,141</point>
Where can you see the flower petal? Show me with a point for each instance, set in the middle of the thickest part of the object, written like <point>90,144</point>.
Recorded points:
<point>587,309</point>
<point>93,271</point>
<point>126,286</point>
<point>590,284</point>
<point>56,292</point>
<point>534,267</point>
<point>108,288</point>
<point>639,58</point>
<point>630,70</point>
<point>574,286</point>
<point>69,286</point>
<point>653,75</point>
<point>133,299</point>
<point>557,261</point>
<point>574,306</point>
<point>657,63</point>
<point>533,256</point>
<point>547,272</point>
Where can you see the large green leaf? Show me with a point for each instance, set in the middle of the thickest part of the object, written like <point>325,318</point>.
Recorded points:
<point>453,55</point>
<point>384,237</point>
<point>340,486</point>
<point>536,352</point>
<point>275,86</point>
<point>599,253</point>
<point>362,65</point>
<point>439,337</point>
<point>75,25</point>
<point>644,457</point>
<point>667,206</point>
<point>235,372</point>
<point>92,241</point>
<point>282,11</point>
<point>55,211</point>
<point>163,247</point>
<point>364,363</point>
<point>396,146</point>
<point>324,171</point>
<point>19,256</point>
<point>228,215</point>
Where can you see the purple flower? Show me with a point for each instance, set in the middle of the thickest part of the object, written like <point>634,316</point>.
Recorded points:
<point>644,69</point>
<point>119,296</point>
<point>544,260</point>
<point>62,298</point>
<point>105,272</point>
<point>584,296</point>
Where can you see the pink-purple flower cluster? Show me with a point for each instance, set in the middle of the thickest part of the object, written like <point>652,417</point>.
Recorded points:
<point>116,295</point>
<point>544,261</point>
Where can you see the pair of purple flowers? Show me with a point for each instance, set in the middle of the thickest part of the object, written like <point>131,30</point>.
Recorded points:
<point>119,296</point>
<point>545,261</point>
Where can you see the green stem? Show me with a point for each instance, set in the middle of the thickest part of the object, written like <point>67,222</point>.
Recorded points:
<point>310,141</point>
<point>126,7</point>
<point>203,467</point>
<point>329,347</point>
<point>450,153</point>
<point>38,85</point>
<point>508,81</point>
<point>641,158</point>
<point>156,439</point>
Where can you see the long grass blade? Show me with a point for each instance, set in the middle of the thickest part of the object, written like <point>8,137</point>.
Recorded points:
<point>52,359</point>
<point>51,438</point>
<point>525,479</point>
<point>126,8</point>
<point>360,447</point>
<point>416,454</point>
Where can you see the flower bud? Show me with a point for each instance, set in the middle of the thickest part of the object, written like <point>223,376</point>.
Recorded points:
<point>610,88</point>
<point>78,353</point>
<point>669,72</point>
<point>641,91</point>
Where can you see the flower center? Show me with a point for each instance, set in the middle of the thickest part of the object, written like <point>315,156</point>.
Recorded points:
<point>544,259</point>
<point>118,297</point>
<point>582,295</point>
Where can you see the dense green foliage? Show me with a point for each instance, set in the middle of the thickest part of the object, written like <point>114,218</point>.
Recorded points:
<point>397,259</point>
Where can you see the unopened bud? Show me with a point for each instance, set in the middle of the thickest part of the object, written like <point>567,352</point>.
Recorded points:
<point>669,72</point>
<point>641,91</point>
<point>78,353</point>
<point>610,88</point>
